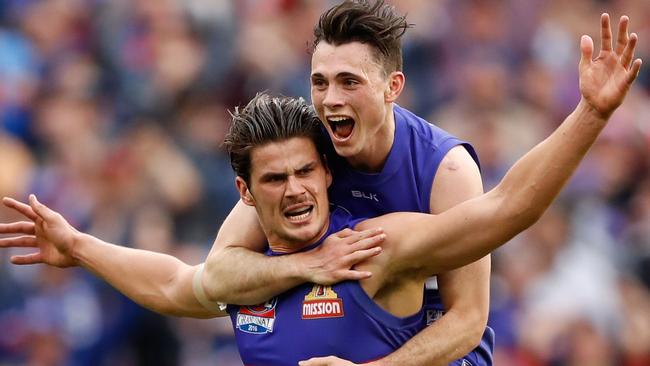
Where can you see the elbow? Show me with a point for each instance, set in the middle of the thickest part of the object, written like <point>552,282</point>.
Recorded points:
<point>475,324</point>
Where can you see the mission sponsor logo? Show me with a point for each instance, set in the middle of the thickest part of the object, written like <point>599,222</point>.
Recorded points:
<point>257,319</point>
<point>322,302</point>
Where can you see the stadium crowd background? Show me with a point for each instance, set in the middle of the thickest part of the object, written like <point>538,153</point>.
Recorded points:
<point>113,112</point>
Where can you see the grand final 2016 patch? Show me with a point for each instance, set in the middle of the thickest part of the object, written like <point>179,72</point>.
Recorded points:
<point>322,302</point>
<point>257,319</point>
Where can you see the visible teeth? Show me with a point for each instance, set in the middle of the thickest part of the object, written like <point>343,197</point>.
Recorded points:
<point>299,214</point>
<point>300,217</point>
<point>337,119</point>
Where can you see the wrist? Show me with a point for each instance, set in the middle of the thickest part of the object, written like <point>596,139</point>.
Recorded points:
<point>296,267</point>
<point>78,247</point>
<point>585,108</point>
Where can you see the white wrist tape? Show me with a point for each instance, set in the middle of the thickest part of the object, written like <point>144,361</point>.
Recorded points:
<point>199,292</point>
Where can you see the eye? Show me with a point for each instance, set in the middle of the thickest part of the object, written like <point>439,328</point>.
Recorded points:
<point>318,83</point>
<point>350,82</point>
<point>304,171</point>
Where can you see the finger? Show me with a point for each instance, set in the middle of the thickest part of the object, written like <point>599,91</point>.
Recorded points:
<point>634,71</point>
<point>605,33</point>
<point>628,54</point>
<point>21,227</point>
<point>354,275</point>
<point>43,211</point>
<point>586,51</point>
<point>623,37</point>
<point>19,242</point>
<point>360,235</point>
<point>360,256</point>
<point>33,258</point>
<point>345,233</point>
<point>20,207</point>
<point>368,243</point>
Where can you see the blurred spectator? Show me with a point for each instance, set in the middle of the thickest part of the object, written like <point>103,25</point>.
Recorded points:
<point>113,112</point>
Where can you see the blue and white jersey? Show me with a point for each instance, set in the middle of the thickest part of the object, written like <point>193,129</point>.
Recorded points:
<point>403,185</point>
<point>314,320</point>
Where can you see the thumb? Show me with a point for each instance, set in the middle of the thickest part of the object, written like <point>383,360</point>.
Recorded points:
<point>586,51</point>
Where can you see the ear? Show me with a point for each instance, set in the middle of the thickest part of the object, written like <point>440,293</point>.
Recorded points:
<point>244,192</point>
<point>395,86</point>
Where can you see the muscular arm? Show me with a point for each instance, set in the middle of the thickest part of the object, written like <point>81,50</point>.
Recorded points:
<point>465,291</point>
<point>157,281</point>
<point>236,271</point>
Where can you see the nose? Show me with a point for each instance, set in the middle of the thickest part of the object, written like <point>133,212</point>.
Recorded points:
<point>333,98</point>
<point>294,187</point>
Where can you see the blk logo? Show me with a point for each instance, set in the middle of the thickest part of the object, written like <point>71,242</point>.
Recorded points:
<point>368,196</point>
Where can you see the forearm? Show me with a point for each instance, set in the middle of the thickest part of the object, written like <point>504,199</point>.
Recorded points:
<point>437,345</point>
<point>465,293</point>
<point>534,181</point>
<point>156,281</point>
<point>237,275</point>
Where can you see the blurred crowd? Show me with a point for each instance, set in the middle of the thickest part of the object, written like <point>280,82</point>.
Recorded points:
<point>113,113</point>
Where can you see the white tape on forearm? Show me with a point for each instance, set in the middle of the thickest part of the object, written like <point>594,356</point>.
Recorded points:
<point>199,291</point>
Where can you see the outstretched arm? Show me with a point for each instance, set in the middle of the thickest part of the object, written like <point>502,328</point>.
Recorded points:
<point>156,281</point>
<point>474,228</point>
<point>236,272</point>
<point>471,230</point>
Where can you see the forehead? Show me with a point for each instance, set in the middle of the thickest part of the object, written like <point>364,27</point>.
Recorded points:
<point>354,57</point>
<point>281,156</point>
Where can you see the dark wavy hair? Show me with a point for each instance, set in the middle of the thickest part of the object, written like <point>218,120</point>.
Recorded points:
<point>268,119</point>
<point>374,23</point>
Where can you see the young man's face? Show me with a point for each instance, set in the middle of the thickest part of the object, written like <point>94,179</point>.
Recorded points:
<point>350,94</point>
<point>288,187</point>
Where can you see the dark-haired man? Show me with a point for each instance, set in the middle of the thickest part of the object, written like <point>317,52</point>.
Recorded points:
<point>281,172</point>
<point>161,282</point>
<point>391,160</point>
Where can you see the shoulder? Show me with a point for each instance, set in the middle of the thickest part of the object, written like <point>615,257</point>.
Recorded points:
<point>458,179</point>
<point>424,134</point>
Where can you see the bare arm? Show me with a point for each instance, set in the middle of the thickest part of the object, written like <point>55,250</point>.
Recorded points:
<point>156,281</point>
<point>465,291</point>
<point>236,271</point>
<point>474,228</point>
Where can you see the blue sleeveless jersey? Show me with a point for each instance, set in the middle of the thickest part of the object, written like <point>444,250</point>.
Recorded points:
<point>313,320</point>
<point>404,184</point>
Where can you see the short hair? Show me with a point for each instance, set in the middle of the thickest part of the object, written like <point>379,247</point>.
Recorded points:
<point>376,24</point>
<point>267,119</point>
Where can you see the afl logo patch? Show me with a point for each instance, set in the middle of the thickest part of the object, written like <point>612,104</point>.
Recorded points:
<point>322,302</point>
<point>258,319</point>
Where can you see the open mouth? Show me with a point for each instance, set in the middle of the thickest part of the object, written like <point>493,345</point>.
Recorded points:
<point>341,127</point>
<point>299,214</point>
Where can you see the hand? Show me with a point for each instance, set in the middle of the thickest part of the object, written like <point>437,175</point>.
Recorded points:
<point>48,231</point>
<point>325,361</point>
<point>332,261</point>
<point>604,81</point>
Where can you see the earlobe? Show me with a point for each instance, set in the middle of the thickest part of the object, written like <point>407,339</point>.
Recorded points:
<point>395,86</point>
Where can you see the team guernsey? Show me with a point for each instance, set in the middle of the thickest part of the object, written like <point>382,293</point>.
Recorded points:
<point>313,320</point>
<point>404,184</point>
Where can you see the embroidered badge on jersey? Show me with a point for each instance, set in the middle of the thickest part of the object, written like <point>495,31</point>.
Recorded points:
<point>257,319</point>
<point>322,302</point>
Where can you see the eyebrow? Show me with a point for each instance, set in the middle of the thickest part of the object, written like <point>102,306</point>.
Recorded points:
<point>341,75</point>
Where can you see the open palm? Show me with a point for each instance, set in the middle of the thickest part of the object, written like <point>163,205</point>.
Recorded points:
<point>605,80</point>
<point>47,230</point>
